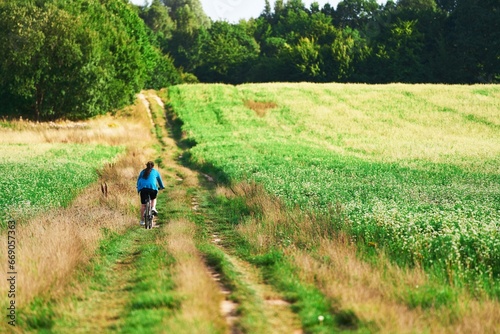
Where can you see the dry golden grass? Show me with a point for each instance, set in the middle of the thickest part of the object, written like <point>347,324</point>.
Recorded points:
<point>53,244</point>
<point>260,108</point>
<point>201,295</point>
<point>374,292</point>
<point>106,130</point>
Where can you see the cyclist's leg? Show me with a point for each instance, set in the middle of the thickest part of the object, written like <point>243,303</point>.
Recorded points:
<point>154,194</point>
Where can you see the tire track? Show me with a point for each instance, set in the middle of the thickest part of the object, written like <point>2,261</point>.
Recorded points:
<point>277,312</point>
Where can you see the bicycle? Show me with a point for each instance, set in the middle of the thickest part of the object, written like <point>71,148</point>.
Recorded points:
<point>148,215</point>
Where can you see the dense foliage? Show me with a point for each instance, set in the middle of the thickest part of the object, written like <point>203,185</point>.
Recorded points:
<point>413,168</point>
<point>413,41</point>
<point>75,59</point>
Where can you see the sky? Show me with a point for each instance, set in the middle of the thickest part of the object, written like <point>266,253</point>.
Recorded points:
<point>234,10</point>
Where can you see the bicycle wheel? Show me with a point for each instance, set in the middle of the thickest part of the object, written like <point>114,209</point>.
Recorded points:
<point>150,219</point>
<point>147,215</point>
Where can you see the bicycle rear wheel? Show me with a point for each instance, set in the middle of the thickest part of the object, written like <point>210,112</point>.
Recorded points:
<point>150,221</point>
<point>148,216</point>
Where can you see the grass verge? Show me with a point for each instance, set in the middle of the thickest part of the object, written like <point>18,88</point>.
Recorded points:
<point>53,245</point>
<point>327,277</point>
<point>152,297</point>
<point>318,312</point>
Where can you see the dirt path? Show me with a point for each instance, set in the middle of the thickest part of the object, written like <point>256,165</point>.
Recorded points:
<point>146,103</point>
<point>276,311</point>
<point>104,301</point>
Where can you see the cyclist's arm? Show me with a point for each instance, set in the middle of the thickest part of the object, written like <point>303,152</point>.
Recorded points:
<point>160,181</point>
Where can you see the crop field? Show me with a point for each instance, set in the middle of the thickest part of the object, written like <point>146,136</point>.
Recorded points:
<point>415,168</point>
<point>36,177</point>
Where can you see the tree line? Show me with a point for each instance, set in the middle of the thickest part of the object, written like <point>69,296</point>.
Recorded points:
<point>411,41</point>
<point>75,58</point>
<point>79,58</point>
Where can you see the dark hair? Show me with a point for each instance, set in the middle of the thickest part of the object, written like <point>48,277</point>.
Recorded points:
<point>149,168</point>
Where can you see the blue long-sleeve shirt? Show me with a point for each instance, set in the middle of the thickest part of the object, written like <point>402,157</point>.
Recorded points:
<point>152,182</point>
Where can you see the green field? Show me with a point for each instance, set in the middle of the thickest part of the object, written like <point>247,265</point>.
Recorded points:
<point>37,177</point>
<point>415,168</point>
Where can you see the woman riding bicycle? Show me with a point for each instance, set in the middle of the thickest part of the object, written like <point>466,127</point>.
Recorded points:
<point>147,185</point>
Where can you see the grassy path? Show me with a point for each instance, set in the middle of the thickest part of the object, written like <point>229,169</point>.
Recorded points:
<point>177,278</point>
<point>103,301</point>
<point>277,314</point>
<point>187,276</point>
<point>251,305</point>
<point>245,303</point>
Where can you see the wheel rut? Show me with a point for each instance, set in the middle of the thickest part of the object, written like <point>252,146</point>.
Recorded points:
<point>277,311</point>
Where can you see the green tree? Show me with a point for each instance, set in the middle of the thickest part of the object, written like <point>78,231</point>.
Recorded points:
<point>45,62</point>
<point>228,53</point>
<point>417,5</point>
<point>158,19</point>
<point>291,39</point>
<point>403,49</point>
<point>279,7</point>
<point>72,59</point>
<point>430,22</point>
<point>328,10</point>
<point>475,40</point>
<point>188,14</point>
<point>191,32</point>
<point>164,74</point>
<point>304,60</point>
<point>402,40</point>
<point>19,70</point>
<point>267,13</point>
<point>355,13</point>
<point>132,55</point>
<point>293,22</point>
<point>447,5</point>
